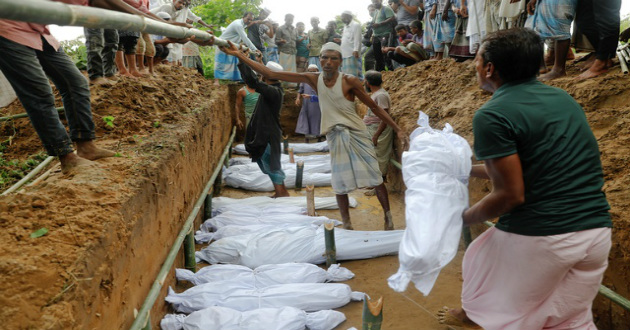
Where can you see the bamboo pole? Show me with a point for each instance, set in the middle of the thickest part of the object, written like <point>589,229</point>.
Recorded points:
<point>467,236</point>
<point>310,200</point>
<point>29,176</point>
<point>299,174</point>
<point>207,207</point>
<point>331,248</point>
<point>372,313</point>
<point>285,144</point>
<point>622,63</point>
<point>142,317</point>
<point>291,156</point>
<point>49,12</point>
<point>395,163</point>
<point>218,183</point>
<point>189,252</point>
<point>24,115</point>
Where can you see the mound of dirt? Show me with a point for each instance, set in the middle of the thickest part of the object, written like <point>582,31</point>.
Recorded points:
<point>75,277</point>
<point>448,93</point>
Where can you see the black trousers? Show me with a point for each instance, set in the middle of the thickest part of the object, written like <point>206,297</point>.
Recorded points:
<point>599,21</point>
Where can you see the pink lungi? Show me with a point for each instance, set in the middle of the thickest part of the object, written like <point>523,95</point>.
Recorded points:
<point>517,282</point>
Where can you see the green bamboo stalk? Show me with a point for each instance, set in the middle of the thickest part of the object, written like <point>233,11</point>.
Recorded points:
<point>207,207</point>
<point>189,252</point>
<point>299,173</point>
<point>395,163</point>
<point>285,143</point>
<point>467,236</point>
<point>29,176</point>
<point>372,313</point>
<point>218,183</point>
<point>331,248</point>
<point>24,115</point>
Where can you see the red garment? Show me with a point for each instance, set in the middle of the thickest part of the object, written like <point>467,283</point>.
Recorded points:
<point>30,34</point>
<point>139,5</point>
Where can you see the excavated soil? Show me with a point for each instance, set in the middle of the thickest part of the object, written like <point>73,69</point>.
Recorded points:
<point>111,226</point>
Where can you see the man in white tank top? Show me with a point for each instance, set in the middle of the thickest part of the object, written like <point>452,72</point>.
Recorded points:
<point>353,159</point>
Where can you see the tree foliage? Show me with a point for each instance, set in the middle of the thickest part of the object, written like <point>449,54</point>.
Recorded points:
<point>77,51</point>
<point>223,12</point>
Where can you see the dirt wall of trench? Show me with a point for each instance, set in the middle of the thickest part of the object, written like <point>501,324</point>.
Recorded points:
<point>448,93</point>
<point>111,225</point>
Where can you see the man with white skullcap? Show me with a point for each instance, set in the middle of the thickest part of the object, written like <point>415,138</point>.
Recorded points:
<point>353,160</point>
<point>351,45</point>
<point>264,133</point>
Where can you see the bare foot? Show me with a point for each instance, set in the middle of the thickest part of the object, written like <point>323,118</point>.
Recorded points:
<point>389,222</point>
<point>551,75</point>
<point>456,317</point>
<point>71,162</point>
<point>100,81</point>
<point>89,150</point>
<point>136,73</point>
<point>113,78</point>
<point>586,62</point>
<point>598,67</point>
<point>128,75</point>
<point>347,225</point>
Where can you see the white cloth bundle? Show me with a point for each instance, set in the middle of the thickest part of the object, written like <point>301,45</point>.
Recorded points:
<point>308,297</point>
<point>299,244</point>
<point>258,210</point>
<point>256,180</point>
<point>321,203</point>
<point>266,275</point>
<point>435,170</point>
<point>234,223</point>
<point>222,318</point>
<point>312,163</point>
<point>298,148</point>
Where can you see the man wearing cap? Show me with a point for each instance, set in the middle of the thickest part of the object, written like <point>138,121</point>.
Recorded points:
<point>317,37</point>
<point>351,46</point>
<point>353,160</point>
<point>263,137</point>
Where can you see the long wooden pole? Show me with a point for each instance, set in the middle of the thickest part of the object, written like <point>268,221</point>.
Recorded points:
<point>49,12</point>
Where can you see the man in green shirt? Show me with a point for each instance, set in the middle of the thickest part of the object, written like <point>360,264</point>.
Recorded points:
<point>541,266</point>
<point>383,23</point>
<point>316,38</point>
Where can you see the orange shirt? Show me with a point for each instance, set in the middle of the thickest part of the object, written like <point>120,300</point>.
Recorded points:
<point>30,34</point>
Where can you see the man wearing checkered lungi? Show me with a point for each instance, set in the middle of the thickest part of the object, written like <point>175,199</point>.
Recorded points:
<point>353,159</point>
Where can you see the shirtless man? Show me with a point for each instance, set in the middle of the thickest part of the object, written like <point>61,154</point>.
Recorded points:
<point>353,159</point>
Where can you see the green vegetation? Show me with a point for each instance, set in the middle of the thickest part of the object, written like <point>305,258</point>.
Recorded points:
<point>11,171</point>
<point>109,121</point>
<point>77,51</point>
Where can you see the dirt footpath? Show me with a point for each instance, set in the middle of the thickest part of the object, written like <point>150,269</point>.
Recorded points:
<point>402,311</point>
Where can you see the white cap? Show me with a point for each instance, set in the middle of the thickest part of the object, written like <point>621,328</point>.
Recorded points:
<point>273,66</point>
<point>347,12</point>
<point>330,46</point>
<point>312,66</point>
<point>266,10</point>
<point>163,15</point>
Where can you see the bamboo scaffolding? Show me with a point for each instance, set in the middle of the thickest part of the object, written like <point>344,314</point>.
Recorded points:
<point>49,12</point>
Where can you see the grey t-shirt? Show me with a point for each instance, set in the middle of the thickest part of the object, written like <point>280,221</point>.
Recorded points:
<point>403,16</point>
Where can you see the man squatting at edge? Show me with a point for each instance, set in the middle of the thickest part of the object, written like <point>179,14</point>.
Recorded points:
<point>353,159</point>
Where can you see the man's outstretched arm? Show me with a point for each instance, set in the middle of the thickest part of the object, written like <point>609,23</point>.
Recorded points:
<point>309,78</point>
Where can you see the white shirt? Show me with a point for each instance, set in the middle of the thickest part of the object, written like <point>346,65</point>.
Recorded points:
<point>235,32</point>
<point>350,39</point>
<point>179,16</point>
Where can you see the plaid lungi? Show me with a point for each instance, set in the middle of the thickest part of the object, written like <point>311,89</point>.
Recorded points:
<point>552,19</point>
<point>351,65</point>
<point>287,61</point>
<point>427,34</point>
<point>272,54</point>
<point>225,66</point>
<point>353,160</point>
<point>460,47</point>
<point>444,31</point>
